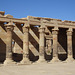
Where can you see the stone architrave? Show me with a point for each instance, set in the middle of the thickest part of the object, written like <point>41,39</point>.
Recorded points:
<point>41,45</point>
<point>69,45</point>
<point>25,59</point>
<point>55,45</point>
<point>9,29</point>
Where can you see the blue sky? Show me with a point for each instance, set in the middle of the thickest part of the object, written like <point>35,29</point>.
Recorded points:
<point>58,9</point>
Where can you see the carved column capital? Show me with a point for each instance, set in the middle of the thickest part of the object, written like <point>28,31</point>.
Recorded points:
<point>41,29</point>
<point>10,26</point>
<point>69,32</point>
<point>26,28</point>
<point>55,31</point>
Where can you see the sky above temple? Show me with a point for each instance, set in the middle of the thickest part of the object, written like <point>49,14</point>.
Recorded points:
<point>58,9</point>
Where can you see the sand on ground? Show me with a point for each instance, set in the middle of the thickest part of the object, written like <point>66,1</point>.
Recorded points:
<point>39,69</point>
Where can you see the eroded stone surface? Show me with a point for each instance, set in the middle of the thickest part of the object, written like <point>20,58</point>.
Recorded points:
<point>28,39</point>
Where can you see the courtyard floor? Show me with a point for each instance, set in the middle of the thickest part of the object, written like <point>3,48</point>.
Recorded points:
<point>39,69</point>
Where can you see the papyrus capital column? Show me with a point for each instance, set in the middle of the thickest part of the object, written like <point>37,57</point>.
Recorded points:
<point>9,28</point>
<point>25,59</point>
<point>55,44</point>
<point>69,45</point>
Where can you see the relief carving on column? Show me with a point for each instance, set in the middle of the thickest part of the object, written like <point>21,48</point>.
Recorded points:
<point>48,46</point>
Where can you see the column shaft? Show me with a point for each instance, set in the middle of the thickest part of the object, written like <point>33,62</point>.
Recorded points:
<point>9,29</point>
<point>25,59</point>
<point>69,46</point>
<point>55,45</point>
<point>41,44</point>
<point>9,45</point>
<point>26,44</point>
<point>69,43</point>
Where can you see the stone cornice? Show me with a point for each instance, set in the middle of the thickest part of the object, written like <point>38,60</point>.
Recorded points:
<point>37,21</point>
<point>15,20</point>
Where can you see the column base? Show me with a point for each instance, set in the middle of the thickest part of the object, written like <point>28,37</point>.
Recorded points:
<point>41,61</point>
<point>9,62</point>
<point>25,62</point>
<point>55,59</point>
<point>69,59</point>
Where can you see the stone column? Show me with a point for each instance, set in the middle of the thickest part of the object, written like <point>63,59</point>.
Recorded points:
<point>25,45</point>
<point>9,29</point>
<point>41,44</point>
<point>55,45</point>
<point>69,45</point>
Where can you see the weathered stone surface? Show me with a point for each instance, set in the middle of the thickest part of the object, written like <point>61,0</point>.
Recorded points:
<point>9,29</point>
<point>9,16</point>
<point>33,37</point>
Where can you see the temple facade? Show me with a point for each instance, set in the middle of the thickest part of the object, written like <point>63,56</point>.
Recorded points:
<point>36,39</point>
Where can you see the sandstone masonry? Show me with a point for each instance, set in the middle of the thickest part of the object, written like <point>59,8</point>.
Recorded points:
<point>26,40</point>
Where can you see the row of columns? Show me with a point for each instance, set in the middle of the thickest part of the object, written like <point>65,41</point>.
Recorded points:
<point>25,60</point>
<point>55,45</point>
